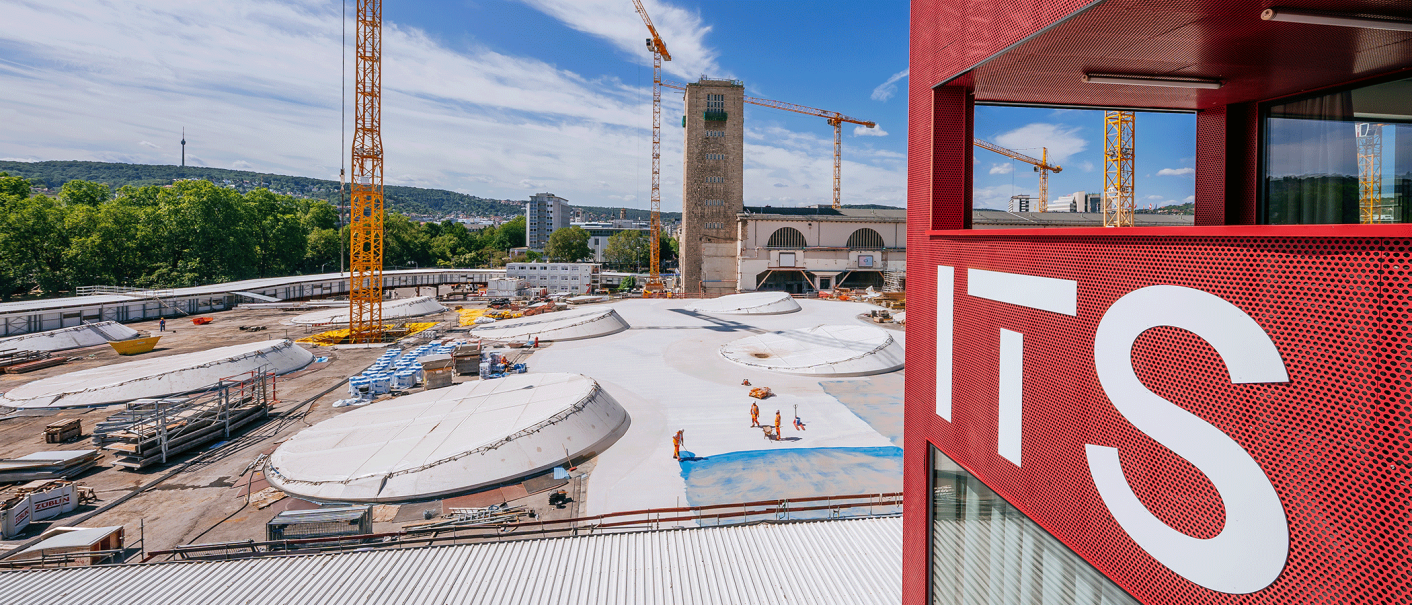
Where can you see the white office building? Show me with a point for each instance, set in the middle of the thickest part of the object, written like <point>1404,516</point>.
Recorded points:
<point>576,278</point>
<point>544,213</point>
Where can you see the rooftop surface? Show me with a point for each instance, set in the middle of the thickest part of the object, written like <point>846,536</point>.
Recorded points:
<point>856,561</point>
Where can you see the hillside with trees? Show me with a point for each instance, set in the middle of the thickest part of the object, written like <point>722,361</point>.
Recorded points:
<point>194,232</point>
<point>411,201</point>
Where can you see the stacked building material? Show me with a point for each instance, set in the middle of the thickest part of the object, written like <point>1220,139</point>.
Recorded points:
<point>48,465</point>
<point>12,357</point>
<point>63,431</point>
<point>153,433</point>
<point>30,366</point>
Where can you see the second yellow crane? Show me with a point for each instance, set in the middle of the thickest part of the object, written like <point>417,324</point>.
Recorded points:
<point>1042,166</point>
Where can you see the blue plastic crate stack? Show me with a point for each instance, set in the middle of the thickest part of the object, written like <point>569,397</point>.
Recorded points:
<point>394,370</point>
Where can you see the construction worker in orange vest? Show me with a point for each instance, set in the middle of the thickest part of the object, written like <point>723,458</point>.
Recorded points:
<point>754,415</point>
<point>677,441</point>
<point>777,425</point>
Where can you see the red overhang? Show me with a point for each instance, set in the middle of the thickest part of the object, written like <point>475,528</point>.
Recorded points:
<point>1214,40</point>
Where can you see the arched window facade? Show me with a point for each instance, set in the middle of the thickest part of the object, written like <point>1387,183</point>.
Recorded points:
<point>865,238</point>
<point>786,237</point>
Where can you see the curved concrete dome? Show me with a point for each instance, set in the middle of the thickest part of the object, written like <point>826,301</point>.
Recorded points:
<point>391,310</point>
<point>563,325</point>
<point>445,441</point>
<point>749,303</point>
<point>86,335</point>
<point>830,350</point>
<point>157,376</point>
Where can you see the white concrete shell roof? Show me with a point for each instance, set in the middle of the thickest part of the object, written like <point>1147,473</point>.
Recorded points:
<point>749,303</point>
<point>391,310</point>
<point>563,325</point>
<point>449,440</point>
<point>72,337</point>
<point>157,376</point>
<point>828,350</point>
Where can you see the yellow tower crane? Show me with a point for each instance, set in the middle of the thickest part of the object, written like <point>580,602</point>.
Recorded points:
<point>366,209</point>
<point>1370,172</point>
<point>1042,166</point>
<point>835,119</point>
<point>1118,200</point>
<point>659,54</point>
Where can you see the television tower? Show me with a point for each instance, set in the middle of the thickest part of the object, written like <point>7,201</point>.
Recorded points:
<point>183,147</point>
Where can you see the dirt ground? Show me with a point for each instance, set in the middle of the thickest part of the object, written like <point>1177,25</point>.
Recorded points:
<point>206,502</point>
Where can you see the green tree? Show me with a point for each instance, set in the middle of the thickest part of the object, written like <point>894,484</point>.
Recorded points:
<point>14,186</point>
<point>323,249</point>
<point>569,245</point>
<point>513,231</point>
<point>84,193</point>
<point>628,249</point>
<point>32,244</point>
<point>627,284</point>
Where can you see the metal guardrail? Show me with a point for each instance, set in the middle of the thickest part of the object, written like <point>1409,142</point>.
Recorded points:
<point>763,511</point>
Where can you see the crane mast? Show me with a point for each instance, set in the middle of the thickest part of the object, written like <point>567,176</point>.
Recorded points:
<point>1118,200</point>
<point>1042,166</point>
<point>659,54</point>
<point>366,211</point>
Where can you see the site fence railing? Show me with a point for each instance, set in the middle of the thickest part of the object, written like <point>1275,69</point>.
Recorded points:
<point>763,511</point>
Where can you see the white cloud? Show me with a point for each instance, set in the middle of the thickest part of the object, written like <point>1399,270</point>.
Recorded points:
<point>1002,168</point>
<point>1189,199</point>
<point>616,21</point>
<point>1154,197</point>
<point>1086,166</point>
<point>260,79</point>
<point>242,165</point>
<point>885,90</point>
<point>996,198</point>
<point>864,131</point>
<point>1062,141</point>
<point>1176,171</point>
<point>148,144</point>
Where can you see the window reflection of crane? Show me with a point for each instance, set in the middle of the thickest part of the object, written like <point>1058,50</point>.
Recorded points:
<point>1370,172</point>
<point>1042,166</point>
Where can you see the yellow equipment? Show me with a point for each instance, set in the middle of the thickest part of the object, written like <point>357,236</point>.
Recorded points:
<point>1118,199</point>
<point>366,208</point>
<point>659,54</point>
<point>1042,166</point>
<point>133,346</point>
<point>1370,172</point>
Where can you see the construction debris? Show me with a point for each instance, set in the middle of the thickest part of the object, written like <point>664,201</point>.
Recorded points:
<point>16,357</point>
<point>265,497</point>
<point>31,366</point>
<point>63,431</point>
<point>761,392</point>
<point>48,465</point>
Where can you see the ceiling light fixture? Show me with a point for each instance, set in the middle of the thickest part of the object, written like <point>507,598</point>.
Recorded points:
<point>1146,81</point>
<point>1290,15</point>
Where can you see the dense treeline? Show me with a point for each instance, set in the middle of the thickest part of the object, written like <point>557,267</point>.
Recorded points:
<point>196,233</point>
<point>413,201</point>
<point>407,200</point>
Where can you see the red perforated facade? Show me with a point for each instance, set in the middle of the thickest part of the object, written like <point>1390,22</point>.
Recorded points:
<point>1335,441</point>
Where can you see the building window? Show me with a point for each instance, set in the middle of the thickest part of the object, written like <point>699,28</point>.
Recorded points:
<point>786,237</point>
<point>1341,157</point>
<point>986,551</point>
<point>715,156</point>
<point>710,225</point>
<point>715,134</point>
<point>715,202</point>
<point>715,102</point>
<point>865,238</point>
<point>715,179</point>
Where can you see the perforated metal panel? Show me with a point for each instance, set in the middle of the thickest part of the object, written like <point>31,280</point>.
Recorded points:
<point>1335,441</point>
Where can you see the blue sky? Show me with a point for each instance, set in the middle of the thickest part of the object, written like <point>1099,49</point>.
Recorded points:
<point>505,98</point>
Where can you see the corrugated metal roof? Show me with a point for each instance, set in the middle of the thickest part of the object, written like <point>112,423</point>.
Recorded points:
<point>79,538</point>
<point>844,561</point>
